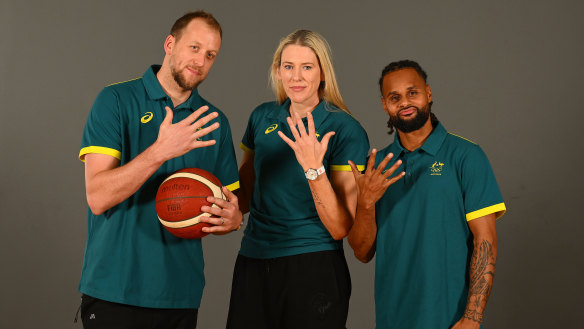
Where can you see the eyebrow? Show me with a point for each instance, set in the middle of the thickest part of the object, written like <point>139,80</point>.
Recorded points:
<point>288,62</point>
<point>395,92</point>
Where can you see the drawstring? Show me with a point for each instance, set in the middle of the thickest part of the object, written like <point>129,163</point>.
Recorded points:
<point>78,309</point>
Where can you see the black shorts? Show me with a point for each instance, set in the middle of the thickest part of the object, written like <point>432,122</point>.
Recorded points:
<point>302,291</point>
<point>101,314</point>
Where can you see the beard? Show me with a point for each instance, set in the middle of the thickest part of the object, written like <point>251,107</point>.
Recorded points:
<point>413,124</point>
<point>182,81</point>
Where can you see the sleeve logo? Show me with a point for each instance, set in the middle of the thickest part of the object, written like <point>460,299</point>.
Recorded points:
<point>147,117</point>
<point>436,168</point>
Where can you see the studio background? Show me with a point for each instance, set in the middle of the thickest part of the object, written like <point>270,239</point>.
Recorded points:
<point>505,74</point>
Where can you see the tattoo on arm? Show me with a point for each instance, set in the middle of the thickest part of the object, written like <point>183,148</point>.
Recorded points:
<point>482,272</point>
<point>317,200</point>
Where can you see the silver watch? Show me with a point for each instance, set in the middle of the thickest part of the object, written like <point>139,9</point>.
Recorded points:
<point>312,174</point>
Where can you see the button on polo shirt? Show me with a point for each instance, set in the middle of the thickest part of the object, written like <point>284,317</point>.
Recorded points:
<point>129,257</point>
<point>423,239</point>
<point>283,219</point>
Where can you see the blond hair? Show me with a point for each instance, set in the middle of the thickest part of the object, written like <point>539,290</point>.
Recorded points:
<point>328,89</point>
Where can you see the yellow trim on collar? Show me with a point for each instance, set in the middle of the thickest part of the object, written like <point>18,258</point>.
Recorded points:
<point>498,209</point>
<point>245,148</point>
<point>101,150</point>
<point>233,187</point>
<point>346,167</point>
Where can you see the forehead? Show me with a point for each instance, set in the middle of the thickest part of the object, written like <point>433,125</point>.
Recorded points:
<point>199,31</point>
<point>401,80</point>
<point>298,53</point>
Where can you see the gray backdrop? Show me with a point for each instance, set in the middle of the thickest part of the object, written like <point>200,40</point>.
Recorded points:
<point>506,74</point>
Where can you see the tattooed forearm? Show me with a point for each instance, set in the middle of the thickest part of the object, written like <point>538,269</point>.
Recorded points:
<point>482,272</point>
<point>317,200</point>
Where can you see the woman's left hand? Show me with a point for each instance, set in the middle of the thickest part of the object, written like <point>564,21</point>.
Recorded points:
<point>309,151</point>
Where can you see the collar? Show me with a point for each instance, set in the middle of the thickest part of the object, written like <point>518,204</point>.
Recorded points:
<point>431,145</point>
<point>155,91</point>
<point>319,114</point>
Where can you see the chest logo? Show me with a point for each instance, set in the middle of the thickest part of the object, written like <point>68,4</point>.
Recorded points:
<point>436,168</point>
<point>147,117</point>
<point>271,128</point>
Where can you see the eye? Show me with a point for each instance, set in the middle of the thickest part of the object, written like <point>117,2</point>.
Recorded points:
<point>211,55</point>
<point>287,66</point>
<point>412,93</point>
<point>307,67</point>
<point>195,48</point>
<point>394,98</point>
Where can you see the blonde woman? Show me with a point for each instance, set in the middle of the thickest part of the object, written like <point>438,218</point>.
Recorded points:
<point>301,195</point>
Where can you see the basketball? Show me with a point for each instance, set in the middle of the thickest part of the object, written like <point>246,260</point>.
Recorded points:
<point>179,200</point>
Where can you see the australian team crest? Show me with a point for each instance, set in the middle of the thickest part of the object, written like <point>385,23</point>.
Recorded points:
<point>436,168</point>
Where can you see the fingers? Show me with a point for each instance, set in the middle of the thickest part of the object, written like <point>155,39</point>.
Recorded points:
<point>354,169</point>
<point>195,115</point>
<point>204,131</point>
<point>394,179</point>
<point>203,121</point>
<point>311,129</point>
<point>371,161</point>
<point>287,140</point>
<point>231,197</point>
<point>392,169</point>
<point>384,162</point>
<point>300,124</point>
<point>292,128</point>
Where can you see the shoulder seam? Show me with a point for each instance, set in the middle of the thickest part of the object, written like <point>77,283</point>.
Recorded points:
<point>117,83</point>
<point>466,139</point>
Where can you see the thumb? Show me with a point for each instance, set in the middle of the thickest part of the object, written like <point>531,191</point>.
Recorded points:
<point>325,140</point>
<point>168,118</point>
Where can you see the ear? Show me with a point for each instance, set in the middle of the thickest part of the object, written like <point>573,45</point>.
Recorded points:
<point>169,44</point>
<point>278,75</point>
<point>429,92</point>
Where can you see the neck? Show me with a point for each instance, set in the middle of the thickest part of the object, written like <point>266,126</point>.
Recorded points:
<point>302,109</point>
<point>177,94</point>
<point>413,140</point>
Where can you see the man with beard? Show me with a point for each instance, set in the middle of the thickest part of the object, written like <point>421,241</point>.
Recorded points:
<point>136,274</point>
<point>434,228</point>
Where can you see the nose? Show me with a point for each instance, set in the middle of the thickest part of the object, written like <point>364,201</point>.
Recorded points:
<point>199,59</point>
<point>297,74</point>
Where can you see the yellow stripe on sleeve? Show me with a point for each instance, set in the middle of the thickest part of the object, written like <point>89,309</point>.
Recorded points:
<point>346,167</point>
<point>101,150</point>
<point>245,148</point>
<point>498,209</point>
<point>233,187</point>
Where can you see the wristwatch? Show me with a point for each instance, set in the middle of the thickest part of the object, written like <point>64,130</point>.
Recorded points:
<point>312,174</point>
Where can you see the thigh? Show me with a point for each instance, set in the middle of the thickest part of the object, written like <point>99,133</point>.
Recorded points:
<point>246,305</point>
<point>101,314</point>
<point>317,288</point>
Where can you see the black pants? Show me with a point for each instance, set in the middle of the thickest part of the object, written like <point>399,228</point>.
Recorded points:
<point>303,291</point>
<point>101,314</point>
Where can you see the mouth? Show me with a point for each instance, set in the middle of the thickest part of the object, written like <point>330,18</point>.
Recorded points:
<point>297,88</point>
<point>408,111</point>
<point>193,70</point>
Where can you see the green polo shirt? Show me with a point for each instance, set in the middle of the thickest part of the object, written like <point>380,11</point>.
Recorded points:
<point>129,257</point>
<point>283,219</point>
<point>423,240</point>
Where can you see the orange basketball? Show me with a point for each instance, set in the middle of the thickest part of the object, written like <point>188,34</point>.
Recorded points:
<point>179,200</point>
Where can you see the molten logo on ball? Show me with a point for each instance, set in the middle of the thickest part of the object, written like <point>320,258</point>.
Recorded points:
<point>180,198</point>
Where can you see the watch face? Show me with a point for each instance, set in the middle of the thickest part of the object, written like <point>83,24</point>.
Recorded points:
<point>311,174</point>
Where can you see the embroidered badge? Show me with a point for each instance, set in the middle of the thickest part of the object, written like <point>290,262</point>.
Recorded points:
<point>436,168</point>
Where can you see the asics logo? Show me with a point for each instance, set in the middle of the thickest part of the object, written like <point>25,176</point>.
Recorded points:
<point>271,128</point>
<point>147,117</point>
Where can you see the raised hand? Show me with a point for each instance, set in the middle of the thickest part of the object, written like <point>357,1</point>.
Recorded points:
<point>308,150</point>
<point>177,139</point>
<point>374,182</point>
<point>229,217</point>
